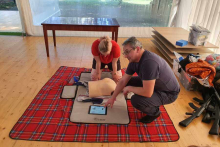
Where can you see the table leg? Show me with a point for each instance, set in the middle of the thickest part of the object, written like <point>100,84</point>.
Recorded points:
<point>113,35</point>
<point>116,35</point>
<point>54,37</point>
<point>46,41</point>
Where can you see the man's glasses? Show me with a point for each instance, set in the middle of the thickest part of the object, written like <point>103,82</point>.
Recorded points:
<point>126,52</point>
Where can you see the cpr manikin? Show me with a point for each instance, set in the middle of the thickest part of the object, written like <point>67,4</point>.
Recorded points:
<point>103,87</point>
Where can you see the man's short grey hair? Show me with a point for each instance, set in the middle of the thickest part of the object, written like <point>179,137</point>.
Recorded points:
<point>133,42</point>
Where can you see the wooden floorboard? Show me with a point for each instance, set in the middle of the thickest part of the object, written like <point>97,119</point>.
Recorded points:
<point>25,68</point>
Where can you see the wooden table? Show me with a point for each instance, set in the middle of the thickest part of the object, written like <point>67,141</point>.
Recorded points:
<point>79,24</point>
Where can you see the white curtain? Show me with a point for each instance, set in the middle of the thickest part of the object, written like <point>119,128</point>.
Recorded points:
<point>205,13</point>
<point>40,11</point>
<point>173,13</point>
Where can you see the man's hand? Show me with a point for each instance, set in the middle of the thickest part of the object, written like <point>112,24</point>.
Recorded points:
<point>126,90</point>
<point>110,102</point>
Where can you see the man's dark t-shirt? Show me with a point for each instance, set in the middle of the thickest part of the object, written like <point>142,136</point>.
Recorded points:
<point>152,66</point>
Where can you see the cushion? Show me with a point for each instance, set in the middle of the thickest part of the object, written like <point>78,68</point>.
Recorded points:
<point>68,92</point>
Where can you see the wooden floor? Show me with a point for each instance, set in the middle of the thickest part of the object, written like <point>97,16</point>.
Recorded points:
<point>25,68</point>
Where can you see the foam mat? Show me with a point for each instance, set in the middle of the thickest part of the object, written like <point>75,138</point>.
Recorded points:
<point>116,115</point>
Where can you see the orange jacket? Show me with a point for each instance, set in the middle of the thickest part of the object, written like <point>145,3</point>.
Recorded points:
<point>201,69</point>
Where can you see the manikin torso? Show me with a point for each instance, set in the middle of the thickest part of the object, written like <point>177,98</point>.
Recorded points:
<point>103,87</point>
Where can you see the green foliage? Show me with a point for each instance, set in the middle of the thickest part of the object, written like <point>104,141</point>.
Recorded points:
<point>12,33</point>
<point>6,5</point>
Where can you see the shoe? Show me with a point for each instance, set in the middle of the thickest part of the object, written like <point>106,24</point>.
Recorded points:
<point>148,119</point>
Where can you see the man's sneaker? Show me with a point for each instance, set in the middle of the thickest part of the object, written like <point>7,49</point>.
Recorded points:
<point>148,119</point>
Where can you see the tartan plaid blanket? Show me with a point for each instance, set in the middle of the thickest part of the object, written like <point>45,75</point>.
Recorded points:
<point>47,119</point>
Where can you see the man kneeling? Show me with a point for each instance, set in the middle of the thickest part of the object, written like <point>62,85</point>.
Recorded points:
<point>155,84</point>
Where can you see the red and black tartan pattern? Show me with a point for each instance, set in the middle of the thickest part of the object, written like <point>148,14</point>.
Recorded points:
<point>47,119</point>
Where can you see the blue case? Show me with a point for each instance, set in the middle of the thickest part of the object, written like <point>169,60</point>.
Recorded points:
<point>181,43</point>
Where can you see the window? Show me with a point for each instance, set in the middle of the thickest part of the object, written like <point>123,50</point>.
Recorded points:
<point>129,13</point>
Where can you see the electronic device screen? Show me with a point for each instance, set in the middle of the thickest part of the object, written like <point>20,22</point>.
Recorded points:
<point>99,110</point>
